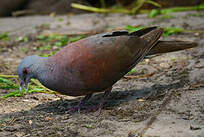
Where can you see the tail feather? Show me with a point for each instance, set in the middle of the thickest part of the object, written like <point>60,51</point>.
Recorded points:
<point>171,46</point>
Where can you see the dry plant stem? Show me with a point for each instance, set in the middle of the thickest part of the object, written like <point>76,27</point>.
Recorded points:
<point>12,121</point>
<point>8,76</point>
<point>101,10</point>
<point>136,9</point>
<point>9,123</point>
<point>23,12</point>
<point>137,77</point>
<point>137,5</point>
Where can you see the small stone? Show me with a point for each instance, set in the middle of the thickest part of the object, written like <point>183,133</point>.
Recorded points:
<point>164,65</point>
<point>193,127</point>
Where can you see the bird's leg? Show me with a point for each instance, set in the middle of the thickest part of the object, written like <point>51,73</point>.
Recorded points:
<point>81,103</point>
<point>105,96</point>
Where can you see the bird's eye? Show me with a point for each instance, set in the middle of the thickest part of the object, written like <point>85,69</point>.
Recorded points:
<point>25,71</point>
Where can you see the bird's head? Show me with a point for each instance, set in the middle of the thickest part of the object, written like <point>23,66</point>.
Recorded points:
<point>26,70</point>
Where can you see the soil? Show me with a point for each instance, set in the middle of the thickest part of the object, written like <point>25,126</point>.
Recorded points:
<point>166,101</point>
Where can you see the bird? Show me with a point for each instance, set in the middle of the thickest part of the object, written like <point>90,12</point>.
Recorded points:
<point>94,64</point>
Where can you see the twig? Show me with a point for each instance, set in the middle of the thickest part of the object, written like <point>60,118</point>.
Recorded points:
<point>23,12</point>
<point>139,76</point>
<point>58,95</point>
<point>11,121</point>
<point>166,100</point>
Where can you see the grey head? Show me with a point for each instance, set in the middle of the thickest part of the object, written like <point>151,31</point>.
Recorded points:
<point>27,69</point>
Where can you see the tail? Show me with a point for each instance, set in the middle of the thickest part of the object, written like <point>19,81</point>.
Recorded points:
<point>148,38</point>
<point>171,46</point>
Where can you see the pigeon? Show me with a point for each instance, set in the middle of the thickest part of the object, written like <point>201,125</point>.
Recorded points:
<point>93,64</point>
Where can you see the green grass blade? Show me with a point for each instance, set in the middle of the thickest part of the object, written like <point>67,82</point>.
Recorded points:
<point>3,80</point>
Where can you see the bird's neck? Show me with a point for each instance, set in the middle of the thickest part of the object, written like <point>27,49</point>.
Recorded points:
<point>40,68</point>
<point>45,72</point>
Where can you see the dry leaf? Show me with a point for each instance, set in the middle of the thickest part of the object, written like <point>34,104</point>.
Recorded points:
<point>30,122</point>
<point>141,100</point>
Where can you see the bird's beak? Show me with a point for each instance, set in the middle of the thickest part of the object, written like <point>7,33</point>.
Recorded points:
<point>21,85</point>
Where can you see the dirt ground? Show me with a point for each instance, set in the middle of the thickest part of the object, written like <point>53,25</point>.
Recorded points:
<point>166,101</point>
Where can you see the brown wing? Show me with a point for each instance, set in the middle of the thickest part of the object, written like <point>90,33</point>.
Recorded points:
<point>102,60</point>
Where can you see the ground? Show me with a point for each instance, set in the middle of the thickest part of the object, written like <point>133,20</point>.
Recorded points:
<point>165,100</point>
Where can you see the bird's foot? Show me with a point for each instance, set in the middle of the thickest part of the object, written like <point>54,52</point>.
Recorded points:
<point>81,103</point>
<point>75,109</point>
<point>99,107</point>
<point>95,108</point>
